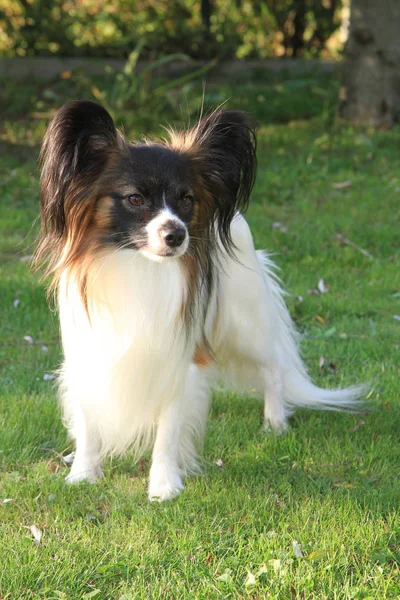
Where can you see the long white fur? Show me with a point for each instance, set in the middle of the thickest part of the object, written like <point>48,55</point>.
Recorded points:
<point>128,373</point>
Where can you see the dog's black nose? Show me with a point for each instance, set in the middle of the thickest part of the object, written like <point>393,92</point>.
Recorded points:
<point>174,237</point>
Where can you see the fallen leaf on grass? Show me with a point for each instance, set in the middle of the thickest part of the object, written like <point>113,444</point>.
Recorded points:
<point>142,465</point>
<point>48,377</point>
<point>343,484</point>
<point>322,365</point>
<point>37,534</point>
<point>91,594</point>
<point>297,549</point>
<point>320,319</point>
<point>357,426</point>
<point>69,458</point>
<point>278,225</point>
<point>322,288</point>
<point>342,185</point>
<point>316,555</point>
<point>295,594</point>
<point>263,569</point>
<point>250,580</point>
<point>276,564</point>
<point>226,577</point>
<point>53,466</point>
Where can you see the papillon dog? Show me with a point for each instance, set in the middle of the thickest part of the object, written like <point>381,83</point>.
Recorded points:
<point>161,293</point>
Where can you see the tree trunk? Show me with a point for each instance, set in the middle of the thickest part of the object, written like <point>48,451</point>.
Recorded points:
<point>205,9</point>
<point>371,73</point>
<point>299,23</point>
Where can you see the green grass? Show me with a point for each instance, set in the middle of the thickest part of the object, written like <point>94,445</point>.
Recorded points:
<point>331,484</point>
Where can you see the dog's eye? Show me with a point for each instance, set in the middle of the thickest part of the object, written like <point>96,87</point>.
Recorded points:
<point>186,201</point>
<point>136,199</point>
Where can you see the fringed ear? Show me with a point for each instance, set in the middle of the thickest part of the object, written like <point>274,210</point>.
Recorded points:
<point>75,151</point>
<point>224,146</point>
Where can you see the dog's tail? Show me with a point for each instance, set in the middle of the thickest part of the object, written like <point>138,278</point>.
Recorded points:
<point>298,389</point>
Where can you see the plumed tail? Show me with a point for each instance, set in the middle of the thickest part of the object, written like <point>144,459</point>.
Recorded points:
<point>299,392</point>
<point>298,389</point>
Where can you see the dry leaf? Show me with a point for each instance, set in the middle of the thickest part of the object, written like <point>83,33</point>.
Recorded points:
<point>209,558</point>
<point>357,426</point>
<point>320,319</point>
<point>250,580</point>
<point>37,534</point>
<point>48,377</point>
<point>276,564</point>
<point>280,226</point>
<point>226,577</point>
<point>316,555</point>
<point>69,458</point>
<point>322,288</point>
<point>342,185</point>
<point>263,569</point>
<point>297,549</point>
<point>344,484</point>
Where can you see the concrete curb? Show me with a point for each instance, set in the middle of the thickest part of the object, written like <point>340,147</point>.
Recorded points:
<point>51,68</point>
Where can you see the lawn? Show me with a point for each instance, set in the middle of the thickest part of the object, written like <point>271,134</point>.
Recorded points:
<point>313,514</point>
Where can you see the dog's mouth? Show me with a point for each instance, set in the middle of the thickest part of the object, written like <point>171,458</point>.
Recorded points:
<point>163,254</point>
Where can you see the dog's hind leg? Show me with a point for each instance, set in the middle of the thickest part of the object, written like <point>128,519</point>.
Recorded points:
<point>274,409</point>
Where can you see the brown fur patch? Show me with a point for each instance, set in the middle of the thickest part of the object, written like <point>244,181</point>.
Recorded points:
<point>202,357</point>
<point>103,212</point>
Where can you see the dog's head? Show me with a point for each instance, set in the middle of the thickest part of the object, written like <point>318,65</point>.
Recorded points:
<point>161,198</point>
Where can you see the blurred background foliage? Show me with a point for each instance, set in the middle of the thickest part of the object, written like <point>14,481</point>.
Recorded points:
<point>201,29</point>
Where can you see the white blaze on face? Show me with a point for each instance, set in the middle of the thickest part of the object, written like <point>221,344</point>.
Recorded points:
<point>156,247</point>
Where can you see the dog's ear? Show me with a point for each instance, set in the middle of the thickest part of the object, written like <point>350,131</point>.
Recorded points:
<point>224,145</point>
<point>75,151</point>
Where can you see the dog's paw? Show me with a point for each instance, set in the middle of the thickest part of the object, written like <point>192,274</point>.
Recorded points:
<point>164,484</point>
<point>81,473</point>
<point>275,427</point>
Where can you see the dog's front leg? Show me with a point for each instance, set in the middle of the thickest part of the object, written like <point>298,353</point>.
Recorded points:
<point>86,465</point>
<point>165,474</point>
